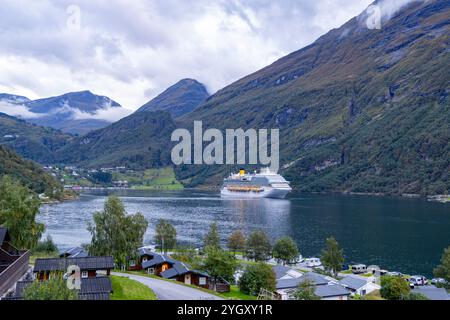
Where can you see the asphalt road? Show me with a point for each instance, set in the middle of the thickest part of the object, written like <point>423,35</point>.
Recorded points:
<point>168,290</point>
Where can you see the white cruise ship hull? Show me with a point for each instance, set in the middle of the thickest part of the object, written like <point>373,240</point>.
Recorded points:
<point>266,193</point>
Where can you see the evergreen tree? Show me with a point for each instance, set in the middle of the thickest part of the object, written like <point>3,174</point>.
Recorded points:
<point>212,238</point>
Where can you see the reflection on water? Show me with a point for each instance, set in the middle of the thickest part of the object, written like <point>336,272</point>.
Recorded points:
<point>407,235</point>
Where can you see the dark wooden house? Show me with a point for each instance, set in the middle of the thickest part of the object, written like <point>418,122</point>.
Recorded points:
<point>158,264</point>
<point>181,272</point>
<point>14,263</point>
<point>99,288</point>
<point>90,267</point>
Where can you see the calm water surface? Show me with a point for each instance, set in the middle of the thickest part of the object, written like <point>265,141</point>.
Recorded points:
<point>406,235</point>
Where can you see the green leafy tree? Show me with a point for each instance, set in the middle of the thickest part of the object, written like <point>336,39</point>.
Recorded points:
<point>286,250</point>
<point>306,291</point>
<point>114,233</point>
<point>166,235</point>
<point>257,277</point>
<point>219,264</point>
<point>53,289</point>
<point>212,238</point>
<point>443,270</point>
<point>236,242</point>
<point>394,288</point>
<point>19,207</point>
<point>258,246</point>
<point>332,256</point>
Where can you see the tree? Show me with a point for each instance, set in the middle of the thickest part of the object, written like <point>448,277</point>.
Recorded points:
<point>258,246</point>
<point>114,233</point>
<point>46,246</point>
<point>332,256</point>
<point>219,264</point>
<point>236,242</point>
<point>257,277</point>
<point>286,250</point>
<point>306,291</point>
<point>212,238</point>
<point>53,289</point>
<point>166,235</point>
<point>394,288</point>
<point>443,270</point>
<point>19,207</point>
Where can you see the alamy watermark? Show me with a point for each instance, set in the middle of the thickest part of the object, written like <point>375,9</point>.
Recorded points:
<point>73,22</point>
<point>230,150</point>
<point>373,21</point>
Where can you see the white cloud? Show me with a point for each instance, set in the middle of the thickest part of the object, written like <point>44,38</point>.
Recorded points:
<point>17,110</point>
<point>131,51</point>
<point>109,113</point>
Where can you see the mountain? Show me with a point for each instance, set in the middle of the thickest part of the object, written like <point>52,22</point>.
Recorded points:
<point>359,110</point>
<point>72,112</point>
<point>138,141</point>
<point>13,99</point>
<point>180,99</point>
<point>31,141</point>
<point>27,172</point>
<point>75,113</point>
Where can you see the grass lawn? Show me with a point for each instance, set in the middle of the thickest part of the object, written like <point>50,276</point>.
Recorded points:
<point>127,289</point>
<point>151,179</point>
<point>236,294</point>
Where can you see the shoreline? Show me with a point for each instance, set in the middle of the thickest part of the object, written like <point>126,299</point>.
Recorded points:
<point>431,198</point>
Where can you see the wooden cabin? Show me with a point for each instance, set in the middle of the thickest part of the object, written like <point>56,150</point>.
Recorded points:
<point>183,273</point>
<point>90,267</point>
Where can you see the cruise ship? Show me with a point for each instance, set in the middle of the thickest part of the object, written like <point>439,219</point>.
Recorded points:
<point>265,184</point>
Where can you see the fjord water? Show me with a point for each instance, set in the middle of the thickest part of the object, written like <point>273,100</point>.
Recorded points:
<point>406,235</point>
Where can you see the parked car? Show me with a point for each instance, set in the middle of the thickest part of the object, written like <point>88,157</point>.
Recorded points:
<point>436,281</point>
<point>359,268</point>
<point>313,262</point>
<point>418,281</point>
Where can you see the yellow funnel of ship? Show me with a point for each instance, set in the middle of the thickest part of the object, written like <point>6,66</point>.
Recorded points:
<point>242,172</point>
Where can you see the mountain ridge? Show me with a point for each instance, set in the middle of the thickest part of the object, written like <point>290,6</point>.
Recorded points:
<point>179,99</point>
<point>73,112</point>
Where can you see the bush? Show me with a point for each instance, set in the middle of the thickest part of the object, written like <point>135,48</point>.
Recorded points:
<point>257,277</point>
<point>53,289</point>
<point>46,246</point>
<point>394,288</point>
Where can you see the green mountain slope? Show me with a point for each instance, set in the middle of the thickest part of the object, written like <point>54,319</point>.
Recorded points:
<point>358,111</point>
<point>138,141</point>
<point>27,172</point>
<point>31,141</point>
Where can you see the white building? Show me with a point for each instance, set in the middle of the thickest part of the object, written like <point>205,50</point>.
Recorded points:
<point>289,279</point>
<point>359,285</point>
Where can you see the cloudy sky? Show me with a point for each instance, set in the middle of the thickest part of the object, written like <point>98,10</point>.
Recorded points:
<point>132,50</point>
